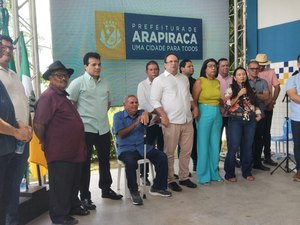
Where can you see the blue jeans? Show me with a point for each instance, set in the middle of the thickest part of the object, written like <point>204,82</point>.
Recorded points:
<point>156,157</point>
<point>296,138</point>
<point>241,136</point>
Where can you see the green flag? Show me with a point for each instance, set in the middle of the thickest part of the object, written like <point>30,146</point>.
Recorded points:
<point>4,21</point>
<point>24,67</point>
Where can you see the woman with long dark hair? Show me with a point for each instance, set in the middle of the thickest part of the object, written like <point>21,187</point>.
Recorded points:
<point>207,94</point>
<point>243,112</point>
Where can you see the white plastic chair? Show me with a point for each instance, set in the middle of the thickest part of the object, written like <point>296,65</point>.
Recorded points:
<point>121,166</point>
<point>282,139</point>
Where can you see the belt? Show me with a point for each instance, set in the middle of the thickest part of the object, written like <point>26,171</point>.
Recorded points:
<point>240,114</point>
<point>236,114</point>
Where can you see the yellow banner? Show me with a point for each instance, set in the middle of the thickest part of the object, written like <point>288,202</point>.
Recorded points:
<point>110,35</point>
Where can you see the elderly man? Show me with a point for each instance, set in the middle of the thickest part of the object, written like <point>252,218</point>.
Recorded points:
<point>129,126</point>
<point>274,88</point>
<point>262,93</point>
<point>172,101</point>
<point>61,133</point>
<point>91,95</point>
<point>15,167</point>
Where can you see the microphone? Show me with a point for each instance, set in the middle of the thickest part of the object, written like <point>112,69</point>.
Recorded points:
<point>244,95</point>
<point>296,72</point>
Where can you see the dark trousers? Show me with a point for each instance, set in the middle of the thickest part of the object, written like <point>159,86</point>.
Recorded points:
<point>157,158</point>
<point>296,139</point>
<point>267,134</point>
<point>258,142</point>
<point>102,144</point>
<point>241,135</point>
<point>14,172</point>
<point>5,183</point>
<point>194,149</point>
<point>156,139</point>
<point>64,179</point>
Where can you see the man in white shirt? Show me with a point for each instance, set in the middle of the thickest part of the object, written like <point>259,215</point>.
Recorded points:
<point>172,101</point>
<point>154,131</point>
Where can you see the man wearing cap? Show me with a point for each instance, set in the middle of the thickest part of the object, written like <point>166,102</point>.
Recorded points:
<point>12,165</point>
<point>61,133</point>
<point>90,93</point>
<point>270,76</point>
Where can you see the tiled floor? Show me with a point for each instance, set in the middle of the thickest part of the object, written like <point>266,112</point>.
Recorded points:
<point>269,200</point>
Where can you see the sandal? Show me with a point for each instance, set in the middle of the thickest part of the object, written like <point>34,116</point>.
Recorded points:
<point>250,178</point>
<point>232,179</point>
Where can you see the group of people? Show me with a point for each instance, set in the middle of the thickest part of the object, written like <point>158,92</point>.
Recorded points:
<point>175,111</point>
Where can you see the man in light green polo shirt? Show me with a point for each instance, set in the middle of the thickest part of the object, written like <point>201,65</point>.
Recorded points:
<point>91,95</point>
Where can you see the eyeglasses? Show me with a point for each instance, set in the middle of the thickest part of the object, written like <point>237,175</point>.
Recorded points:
<point>175,61</point>
<point>7,47</point>
<point>61,75</point>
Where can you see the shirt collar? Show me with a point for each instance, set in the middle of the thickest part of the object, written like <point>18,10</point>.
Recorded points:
<point>166,73</point>
<point>87,76</point>
<point>127,115</point>
<point>148,81</point>
<point>56,90</point>
<point>224,78</point>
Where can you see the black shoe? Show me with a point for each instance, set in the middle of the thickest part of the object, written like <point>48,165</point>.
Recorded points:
<point>136,198</point>
<point>88,204</point>
<point>111,194</point>
<point>162,193</point>
<point>176,176</point>
<point>188,183</point>
<point>261,167</point>
<point>270,162</point>
<point>147,181</point>
<point>174,186</point>
<point>79,211</point>
<point>65,221</point>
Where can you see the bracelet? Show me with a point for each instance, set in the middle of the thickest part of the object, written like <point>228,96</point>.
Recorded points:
<point>257,112</point>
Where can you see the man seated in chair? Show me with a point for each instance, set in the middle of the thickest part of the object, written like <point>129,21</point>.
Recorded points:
<point>129,126</point>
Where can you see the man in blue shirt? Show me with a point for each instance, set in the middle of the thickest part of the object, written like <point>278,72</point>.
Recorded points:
<point>260,87</point>
<point>293,91</point>
<point>129,126</point>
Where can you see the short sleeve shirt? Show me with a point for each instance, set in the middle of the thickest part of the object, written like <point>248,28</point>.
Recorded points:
<point>92,99</point>
<point>294,83</point>
<point>135,140</point>
<point>7,114</point>
<point>64,131</point>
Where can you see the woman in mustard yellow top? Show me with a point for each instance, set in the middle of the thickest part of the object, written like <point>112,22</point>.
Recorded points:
<point>207,94</point>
